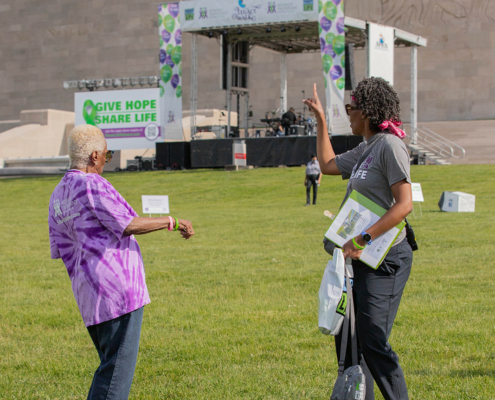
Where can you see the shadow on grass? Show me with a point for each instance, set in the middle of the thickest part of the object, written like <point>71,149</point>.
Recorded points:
<point>472,373</point>
<point>458,373</point>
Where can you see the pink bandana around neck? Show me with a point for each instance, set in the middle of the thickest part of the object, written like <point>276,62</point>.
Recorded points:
<point>393,128</point>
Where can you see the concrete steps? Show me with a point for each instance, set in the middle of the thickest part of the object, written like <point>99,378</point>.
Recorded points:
<point>476,137</point>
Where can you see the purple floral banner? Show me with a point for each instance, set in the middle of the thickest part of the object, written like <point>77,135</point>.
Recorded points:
<point>332,44</point>
<point>170,70</point>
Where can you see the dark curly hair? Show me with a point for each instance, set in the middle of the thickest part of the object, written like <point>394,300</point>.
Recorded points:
<point>378,100</point>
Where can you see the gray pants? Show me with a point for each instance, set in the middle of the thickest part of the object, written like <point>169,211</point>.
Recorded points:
<point>117,343</point>
<point>377,295</point>
<point>311,180</point>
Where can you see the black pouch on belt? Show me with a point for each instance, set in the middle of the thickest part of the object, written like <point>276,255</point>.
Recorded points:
<point>411,237</point>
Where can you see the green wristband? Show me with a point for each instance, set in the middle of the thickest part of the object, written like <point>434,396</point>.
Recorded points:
<point>177,224</point>
<point>357,246</point>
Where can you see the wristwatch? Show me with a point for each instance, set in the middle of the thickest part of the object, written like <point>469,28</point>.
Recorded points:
<point>366,237</point>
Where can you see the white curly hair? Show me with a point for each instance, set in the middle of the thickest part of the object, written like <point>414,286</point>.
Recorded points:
<point>83,140</point>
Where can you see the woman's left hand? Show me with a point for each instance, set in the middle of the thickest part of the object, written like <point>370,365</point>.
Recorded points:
<point>351,251</point>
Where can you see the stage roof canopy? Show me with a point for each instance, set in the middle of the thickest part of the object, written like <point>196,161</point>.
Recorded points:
<point>292,30</point>
<point>300,37</point>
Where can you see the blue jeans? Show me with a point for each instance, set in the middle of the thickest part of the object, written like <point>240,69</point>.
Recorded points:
<point>117,343</point>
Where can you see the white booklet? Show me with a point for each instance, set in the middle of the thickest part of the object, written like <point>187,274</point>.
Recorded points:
<point>356,215</point>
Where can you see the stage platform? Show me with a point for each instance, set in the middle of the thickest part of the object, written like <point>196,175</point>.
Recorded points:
<point>261,152</point>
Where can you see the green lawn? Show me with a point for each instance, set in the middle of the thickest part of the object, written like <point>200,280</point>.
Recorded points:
<point>233,312</point>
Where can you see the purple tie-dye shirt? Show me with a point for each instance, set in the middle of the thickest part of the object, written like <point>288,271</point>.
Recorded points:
<point>86,219</point>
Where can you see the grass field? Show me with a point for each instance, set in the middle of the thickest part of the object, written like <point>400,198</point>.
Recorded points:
<point>233,312</point>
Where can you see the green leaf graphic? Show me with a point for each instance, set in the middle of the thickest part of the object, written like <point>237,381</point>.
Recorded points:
<point>89,112</point>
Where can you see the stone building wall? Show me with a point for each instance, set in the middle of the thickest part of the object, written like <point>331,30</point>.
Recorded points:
<point>44,43</point>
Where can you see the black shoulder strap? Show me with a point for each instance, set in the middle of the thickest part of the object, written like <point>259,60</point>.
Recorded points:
<point>349,319</point>
<point>350,301</point>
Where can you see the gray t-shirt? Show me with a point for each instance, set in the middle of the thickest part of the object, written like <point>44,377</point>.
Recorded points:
<point>313,168</point>
<point>384,161</point>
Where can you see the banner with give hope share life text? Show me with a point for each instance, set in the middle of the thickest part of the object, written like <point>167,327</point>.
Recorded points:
<point>170,71</point>
<point>332,44</point>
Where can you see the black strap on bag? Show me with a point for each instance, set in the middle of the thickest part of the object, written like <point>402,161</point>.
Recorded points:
<point>351,382</point>
<point>349,319</point>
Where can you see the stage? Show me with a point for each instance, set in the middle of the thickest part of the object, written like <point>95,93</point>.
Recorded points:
<point>261,152</point>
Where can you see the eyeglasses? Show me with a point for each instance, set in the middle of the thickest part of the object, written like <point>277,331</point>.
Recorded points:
<point>349,108</point>
<point>108,156</point>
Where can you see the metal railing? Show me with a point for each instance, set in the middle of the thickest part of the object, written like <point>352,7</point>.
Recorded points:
<point>435,143</point>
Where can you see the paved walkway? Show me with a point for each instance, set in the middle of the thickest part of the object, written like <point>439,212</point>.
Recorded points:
<point>476,137</point>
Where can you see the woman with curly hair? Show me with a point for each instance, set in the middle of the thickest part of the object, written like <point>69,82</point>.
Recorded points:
<point>379,169</point>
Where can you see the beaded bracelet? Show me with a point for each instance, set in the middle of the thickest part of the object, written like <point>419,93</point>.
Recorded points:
<point>176,224</point>
<point>357,246</point>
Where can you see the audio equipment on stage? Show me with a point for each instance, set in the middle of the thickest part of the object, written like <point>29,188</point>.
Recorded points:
<point>296,130</point>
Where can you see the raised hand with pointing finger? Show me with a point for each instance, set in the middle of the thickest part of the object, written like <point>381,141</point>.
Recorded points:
<point>314,105</point>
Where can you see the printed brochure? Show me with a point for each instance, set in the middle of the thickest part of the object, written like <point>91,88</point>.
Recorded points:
<point>356,215</point>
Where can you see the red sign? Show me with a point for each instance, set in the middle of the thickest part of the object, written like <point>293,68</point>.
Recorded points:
<point>240,156</point>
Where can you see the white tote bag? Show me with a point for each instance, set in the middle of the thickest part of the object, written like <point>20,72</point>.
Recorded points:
<point>332,300</point>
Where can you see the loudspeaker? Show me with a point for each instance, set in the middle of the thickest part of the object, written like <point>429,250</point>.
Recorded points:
<point>353,141</point>
<point>180,155</point>
<point>162,155</point>
<point>339,144</point>
<point>296,130</point>
<point>350,77</point>
<point>240,54</point>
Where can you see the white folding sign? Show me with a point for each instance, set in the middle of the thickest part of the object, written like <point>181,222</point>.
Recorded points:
<point>417,193</point>
<point>155,204</point>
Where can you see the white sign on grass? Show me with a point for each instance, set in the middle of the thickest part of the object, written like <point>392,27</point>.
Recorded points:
<point>417,193</point>
<point>129,119</point>
<point>155,204</point>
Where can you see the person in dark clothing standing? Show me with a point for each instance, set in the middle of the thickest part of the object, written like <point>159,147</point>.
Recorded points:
<point>313,178</point>
<point>288,119</point>
<point>378,169</point>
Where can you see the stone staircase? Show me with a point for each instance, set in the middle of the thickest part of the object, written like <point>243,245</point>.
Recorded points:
<point>432,147</point>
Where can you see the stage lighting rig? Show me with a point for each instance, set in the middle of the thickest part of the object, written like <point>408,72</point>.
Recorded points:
<point>71,84</point>
<point>94,84</point>
<point>91,84</point>
<point>153,80</point>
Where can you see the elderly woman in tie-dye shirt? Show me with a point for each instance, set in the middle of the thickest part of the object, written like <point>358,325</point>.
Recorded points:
<point>91,228</point>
